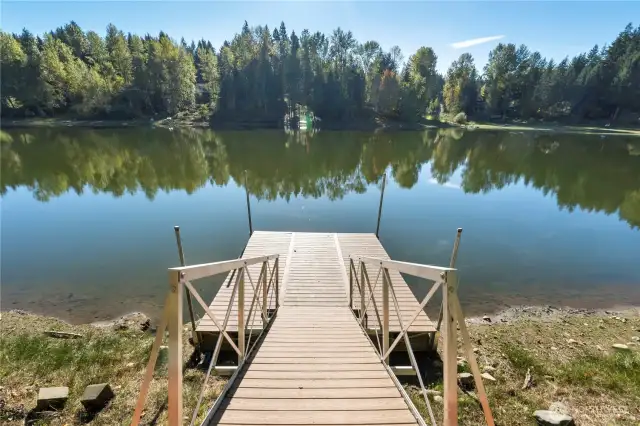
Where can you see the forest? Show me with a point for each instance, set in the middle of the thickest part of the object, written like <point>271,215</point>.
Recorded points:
<point>262,74</point>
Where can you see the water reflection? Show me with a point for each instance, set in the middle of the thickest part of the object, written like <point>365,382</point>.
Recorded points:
<point>586,172</point>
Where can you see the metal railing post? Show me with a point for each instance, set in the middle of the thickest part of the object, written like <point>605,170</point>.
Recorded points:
<point>384,182</point>
<point>385,315</point>
<point>449,352</point>
<point>241,328</point>
<point>264,294</point>
<point>277,266</point>
<point>351,267</point>
<point>174,316</point>
<point>363,309</point>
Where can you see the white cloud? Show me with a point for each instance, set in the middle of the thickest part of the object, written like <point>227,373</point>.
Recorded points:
<point>474,41</point>
<point>446,184</point>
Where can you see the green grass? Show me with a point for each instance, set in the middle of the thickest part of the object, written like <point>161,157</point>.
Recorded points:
<point>521,360</point>
<point>618,373</point>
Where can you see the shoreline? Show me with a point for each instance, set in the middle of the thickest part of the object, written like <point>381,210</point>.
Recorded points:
<point>375,125</point>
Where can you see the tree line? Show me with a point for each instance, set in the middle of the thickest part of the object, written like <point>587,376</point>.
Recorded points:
<point>581,171</point>
<point>262,74</point>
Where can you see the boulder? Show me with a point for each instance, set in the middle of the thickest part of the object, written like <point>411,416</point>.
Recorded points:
<point>95,397</point>
<point>465,380</point>
<point>52,398</point>
<point>552,418</point>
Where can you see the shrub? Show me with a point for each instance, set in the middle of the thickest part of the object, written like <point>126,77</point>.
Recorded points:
<point>460,118</point>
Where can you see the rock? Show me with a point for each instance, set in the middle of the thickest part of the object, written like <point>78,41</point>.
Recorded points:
<point>438,398</point>
<point>130,364</point>
<point>433,392</point>
<point>488,369</point>
<point>559,407</point>
<point>476,350</point>
<point>132,321</point>
<point>620,347</point>
<point>635,338</point>
<point>52,398</point>
<point>486,318</point>
<point>62,334</point>
<point>528,380</point>
<point>95,397</point>
<point>462,363</point>
<point>572,341</point>
<point>465,380</point>
<point>488,376</point>
<point>553,348</point>
<point>600,348</point>
<point>551,418</point>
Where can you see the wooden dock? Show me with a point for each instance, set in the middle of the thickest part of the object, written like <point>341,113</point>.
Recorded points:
<point>314,360</point>
<point>314,272</point>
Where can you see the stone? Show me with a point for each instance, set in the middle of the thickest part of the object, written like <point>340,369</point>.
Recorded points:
<point>486,318</point>
<point>559,407</point>
<point>438,398</point>
<point>600,348</point>
<point>551,418</point>
<point>462,363</point>
<point>488,369</point>
<point>52,398</point>
<point>620,347</point>
<point>62,334</point>
<point>572,341</point>
<point>465,380</point>
<point>635,338</point>
<point>488,376</point>
<point>476,350</point>
<point>528,380</point>
<point>433,392</point>
<point>553,348</point>
<point>95,397</point>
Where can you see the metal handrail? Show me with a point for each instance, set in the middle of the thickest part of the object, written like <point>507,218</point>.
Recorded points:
<point>265,290</point>
<point>443,277</point>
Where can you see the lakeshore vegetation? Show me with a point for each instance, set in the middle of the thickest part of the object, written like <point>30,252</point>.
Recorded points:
<point>263,73</point>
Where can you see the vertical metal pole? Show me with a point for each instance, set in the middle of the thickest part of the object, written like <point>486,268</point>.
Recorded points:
<point>246,190</point>
<point>449,353</point>
<point>363,308</point>
<point>452,264</point>
<point>351,283</point>
<point>385,316</point>
<point>384,183</point>
<point>174,320</point>
<point>241,342</point>
<point>277,282</point>
<point>189,303</point>
<point>264,294</point>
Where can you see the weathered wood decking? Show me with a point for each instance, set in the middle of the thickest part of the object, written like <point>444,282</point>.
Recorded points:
<point>314,271</point>
<point>315,366</point>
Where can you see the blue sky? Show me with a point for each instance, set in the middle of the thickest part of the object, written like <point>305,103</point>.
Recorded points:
<point>554,28</point>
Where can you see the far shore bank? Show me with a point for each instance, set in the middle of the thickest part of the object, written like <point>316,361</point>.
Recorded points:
<point>354,125</point>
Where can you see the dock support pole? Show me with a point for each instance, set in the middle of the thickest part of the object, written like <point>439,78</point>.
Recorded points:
<point>384,183</point>
<point>452,264</point>
<point>189,302</point>
<point>385,315</point>
<point>246,190</point>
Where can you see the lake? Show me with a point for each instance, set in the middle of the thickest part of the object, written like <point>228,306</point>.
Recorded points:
<point>88,215</point>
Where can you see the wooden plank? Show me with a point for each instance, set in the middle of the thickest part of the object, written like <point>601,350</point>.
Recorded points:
<point>322,384</point>
<point>281,417</point>
<point>311,393</point>
<point>329,366</point>
<point>316,375</point>
<point>321,360</point>
<point>325,404</point>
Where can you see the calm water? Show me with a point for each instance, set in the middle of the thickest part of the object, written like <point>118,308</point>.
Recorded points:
<point>88,215</point>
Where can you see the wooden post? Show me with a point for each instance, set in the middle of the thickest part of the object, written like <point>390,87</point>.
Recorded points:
<point>246,190</point>
<point>241,342</point>
<point>384,182</point>
<point>452,264</point>
<point>449,354</point>
<point>385,316</point>
<point>174,319</point>
<point>189,303</point>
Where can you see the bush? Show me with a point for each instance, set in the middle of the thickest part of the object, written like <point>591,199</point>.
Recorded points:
<point>460,118</point>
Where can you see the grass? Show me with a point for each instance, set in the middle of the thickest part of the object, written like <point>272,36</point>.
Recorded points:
<point>571,361</point>
<point>30,360</point>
